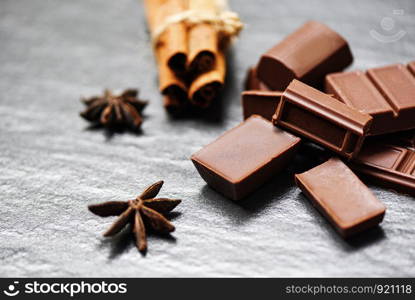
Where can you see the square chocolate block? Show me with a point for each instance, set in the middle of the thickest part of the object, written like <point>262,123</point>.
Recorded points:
<point>245,157</point>
<point>341,197</point>
<point>307,54</point>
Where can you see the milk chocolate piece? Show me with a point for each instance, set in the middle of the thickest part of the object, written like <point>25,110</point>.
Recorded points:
<point>387,165</point>
<point>308,54</point>
<point>341,197</point>
<point>387,94</point>
<point>321,118</point>
<point>245,157</point>
<point>252,81</point>
<point>260,103</point>
<point>397,84</point>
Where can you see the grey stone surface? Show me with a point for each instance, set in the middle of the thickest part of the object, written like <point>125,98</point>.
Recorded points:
<point>52,165</point>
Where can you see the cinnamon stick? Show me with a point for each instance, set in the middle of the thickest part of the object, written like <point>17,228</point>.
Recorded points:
<point>175,100</point>
<point>172,87</point>
<point>170,51</point>
<point>206,87</point>
<point>171,45</point>
<point>202,38</point>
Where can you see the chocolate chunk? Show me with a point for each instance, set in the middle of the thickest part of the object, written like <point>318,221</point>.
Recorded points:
<point>397,85</point>
<point>321,118</point>
<point>308,54</point>
<point>252,81</point>
<point>387,94</point>
<point>260,103</point>
<point>387,165</point>
<point>341,197</point>
<point>245,157</point>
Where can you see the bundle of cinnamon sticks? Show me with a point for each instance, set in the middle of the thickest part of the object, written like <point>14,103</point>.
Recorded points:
<point>189,41</point>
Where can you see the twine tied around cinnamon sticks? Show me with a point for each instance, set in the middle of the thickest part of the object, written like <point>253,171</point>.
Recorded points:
<point>225,22</point>
<point>189,39</point>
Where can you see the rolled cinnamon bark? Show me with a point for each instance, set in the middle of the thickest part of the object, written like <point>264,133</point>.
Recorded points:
<point>170,51</point>
<point>172,87</point>
<point>171,45</point>
<point>202,38</point>
<point>206,87</point>
<point>175,102</point>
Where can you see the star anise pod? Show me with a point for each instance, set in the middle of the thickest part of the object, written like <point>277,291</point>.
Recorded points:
<point>142,211</point>
<point>111,110</point>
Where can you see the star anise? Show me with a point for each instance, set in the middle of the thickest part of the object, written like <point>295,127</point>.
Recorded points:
<point>142,211</point>
<point>111,110</point>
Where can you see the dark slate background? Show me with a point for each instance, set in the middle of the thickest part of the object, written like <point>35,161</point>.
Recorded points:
<point>52,165</point>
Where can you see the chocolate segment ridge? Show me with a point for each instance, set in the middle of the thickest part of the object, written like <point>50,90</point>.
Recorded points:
<point>397,85</point>
<point>356,90</point>
<point>322,119</point>
<point>388,165</point>
<point>341,197</point>
<point>307,54</point>
<point>245,157</point>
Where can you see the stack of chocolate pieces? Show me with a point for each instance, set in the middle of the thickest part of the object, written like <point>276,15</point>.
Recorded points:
<point>365,119</point>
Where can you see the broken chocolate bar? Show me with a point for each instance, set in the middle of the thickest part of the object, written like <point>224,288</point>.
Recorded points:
<point>387,165</point>
<point>386,93</point>
<point>322,119</point>
<point>341,197</point>
<point>245,157</point>
<point>260,103</point>
<point>308,54</point>
<point>252,81</point>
